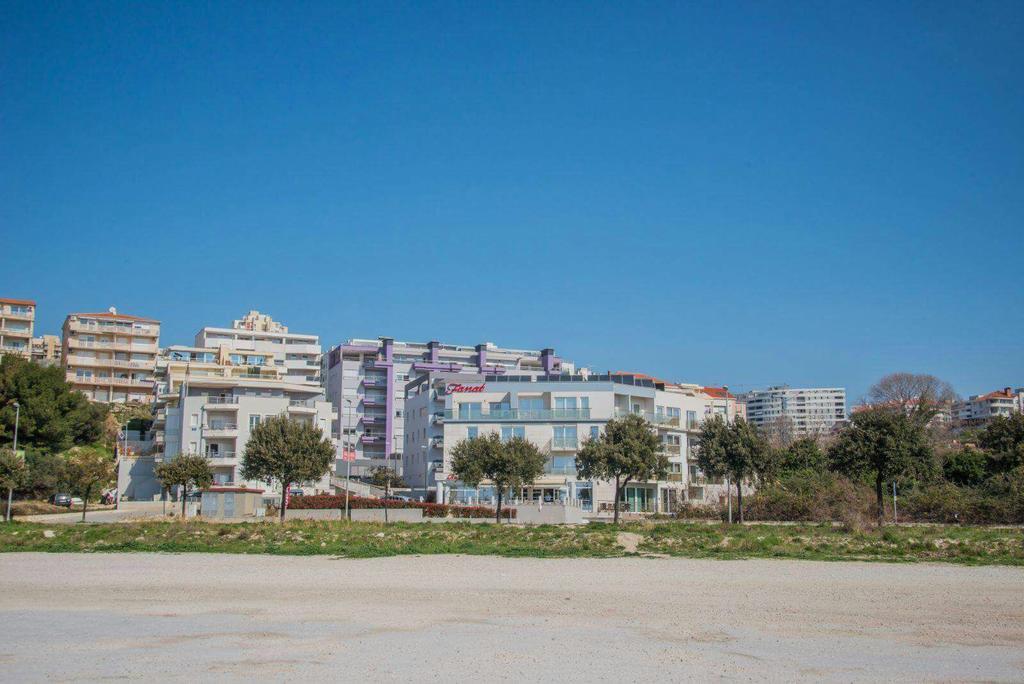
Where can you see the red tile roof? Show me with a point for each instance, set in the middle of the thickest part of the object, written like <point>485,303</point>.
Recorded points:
<point>20,302</point>
<point>718,392</point>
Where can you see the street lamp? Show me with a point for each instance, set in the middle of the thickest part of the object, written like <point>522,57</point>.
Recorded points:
<point>10,490</point>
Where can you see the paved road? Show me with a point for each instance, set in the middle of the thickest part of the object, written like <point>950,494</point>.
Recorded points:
<point>456,618</point>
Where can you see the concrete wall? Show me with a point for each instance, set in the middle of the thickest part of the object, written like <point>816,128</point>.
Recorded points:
<point>549,514</point>
<point>136,479</point>
<point>357,515</point>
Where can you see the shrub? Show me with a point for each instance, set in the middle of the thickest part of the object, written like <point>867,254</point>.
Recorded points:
<point>430,510</point>
<point>811,496</point>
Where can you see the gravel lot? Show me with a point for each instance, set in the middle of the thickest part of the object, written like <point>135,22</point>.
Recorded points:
<point>458,618</point>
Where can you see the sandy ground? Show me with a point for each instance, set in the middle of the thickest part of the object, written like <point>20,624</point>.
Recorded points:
<point>458,618</point>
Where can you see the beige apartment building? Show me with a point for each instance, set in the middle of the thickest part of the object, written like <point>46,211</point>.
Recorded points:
<point>46,350</point>
<point>110,357</point>
<point>17,319</point>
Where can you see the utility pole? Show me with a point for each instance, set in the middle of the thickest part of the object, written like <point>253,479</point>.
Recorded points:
<point>348,459</point>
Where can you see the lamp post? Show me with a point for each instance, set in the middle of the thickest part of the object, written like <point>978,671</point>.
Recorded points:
<point>348,459</point>
<point>10,490</point>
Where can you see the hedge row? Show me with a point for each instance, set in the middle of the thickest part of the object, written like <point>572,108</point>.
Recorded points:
<point>430,510</point>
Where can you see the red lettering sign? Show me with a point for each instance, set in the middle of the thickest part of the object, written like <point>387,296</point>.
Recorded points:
<point>453,387</point>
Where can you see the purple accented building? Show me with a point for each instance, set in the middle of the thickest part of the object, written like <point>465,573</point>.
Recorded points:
<point>365,381</point>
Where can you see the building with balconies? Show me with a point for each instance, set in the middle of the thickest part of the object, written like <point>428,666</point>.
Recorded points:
<point>46,350</point>
<point>17,320</point>
<point>365,381</point>
<point>298,354</point>
<point>110,357</point>
<point>558,412</point>
<point>980,409</point>
<point>209,400</point>
<point>796,412</point>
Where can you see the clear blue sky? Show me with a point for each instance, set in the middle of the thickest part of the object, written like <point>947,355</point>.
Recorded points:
<point>807,193</point>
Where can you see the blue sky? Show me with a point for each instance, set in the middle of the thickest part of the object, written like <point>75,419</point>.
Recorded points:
<point>740,193</point>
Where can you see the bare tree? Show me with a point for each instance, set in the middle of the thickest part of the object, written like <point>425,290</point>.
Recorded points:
<point>779,432</point>
<point>918,396</point>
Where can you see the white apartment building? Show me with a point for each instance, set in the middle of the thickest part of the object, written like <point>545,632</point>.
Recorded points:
<point>46,350</point>
<point>297,354</point>
<point>17,319</point>
<point>210,399</point>
<point>981,408</point>
<point>365,381</point>
<point>806,411</point>
<point>557,412</point>
<point>110,357</point>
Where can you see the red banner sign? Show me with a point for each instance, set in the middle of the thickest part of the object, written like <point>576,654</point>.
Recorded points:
<point>453,387</point>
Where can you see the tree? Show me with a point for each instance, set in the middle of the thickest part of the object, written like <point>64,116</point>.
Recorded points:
<point>46,474</point>
<point>1003,439</point>
<point>383,476</point>
<point>89,469</point>
<point>803,454</point>
<point>628,450</point>
<point>735,451</point>
<point>286,451</point>
<point>882,444</point>
<point>185,470</point>
<point>54,417</point>
<point>507,465</point>
<point>13,473</point>
<point>780,432</point>
<point>966,467</point>
<point>918,396</point>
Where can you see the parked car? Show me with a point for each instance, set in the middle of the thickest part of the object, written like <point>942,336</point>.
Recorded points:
<point>295,492</point>
<point>61,500</point>
<point>76,501</point>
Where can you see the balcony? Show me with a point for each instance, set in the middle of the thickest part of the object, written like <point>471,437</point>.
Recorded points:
<point>371,419</point>
<point>374,382</point>
<point>118,345</point>
<point>98,381</point>
<point>372,439</point>
<point>16,332</point>
<point>564,444</point>
<point>553,469</point>
<point>437,419</point>
<point>302,406</point>
<point>221,430</point>
<point>660,419</point>
<point>222,401</point>
<point>219,456</point>
<point>517,414</point>
<point>19,316</point>
<point>77,360</point>
<point>120,328</point>
<point>437,442</point>
<point>373,401</point>
<point>674,477</point>
<point>673,448</point>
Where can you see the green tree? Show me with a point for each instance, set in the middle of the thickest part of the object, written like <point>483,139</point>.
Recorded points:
<point>883,444</point>
<point>803,454</point>
<point>89,469</point>
<point>507,465</point>
<point>1003,439</point>
<point>627,451</point>
<point>735,450</point>
<point>288,452</point>
<point>385,477</point>
<point>185,471</point>
<point>966,467</point>
<point>13,473</point>
<point>54,417</point>
<point>46,474</point>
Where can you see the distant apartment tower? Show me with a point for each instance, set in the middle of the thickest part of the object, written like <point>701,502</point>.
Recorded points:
<point>110,356</point>
<point>46,350</point>
<point>17,319</point>
<point>982,408</point>
<point>366,381</point>
<point>297,354</point>
<point>804,411</point>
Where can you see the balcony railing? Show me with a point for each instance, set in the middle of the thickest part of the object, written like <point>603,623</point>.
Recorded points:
<point>302,403</point>
<point>563,469</point>
<point>96,380</point>
<point>20,316</point>
<point>564,444</point>
<point>659,419</point>
<point>77,360</point>
<point>222,400</point>
<point>221,455</point>
<point>122,328</point>
<point>517,414</point>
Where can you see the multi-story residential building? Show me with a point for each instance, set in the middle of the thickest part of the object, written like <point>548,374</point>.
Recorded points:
<point>366,381</point>
<point>557,412</point>
<point>209,399</point>
<point>802,411</point>
<point>17,319</point>
<point>297,354</point>
<point>981,408</point>
<point>109,356</point>
<point>46,350</point>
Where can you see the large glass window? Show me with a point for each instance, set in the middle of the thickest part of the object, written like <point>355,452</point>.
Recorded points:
<point>473,431</point>
<point>470,410</point>
<point>510,431</point>
<point>595,432</point>
<point>565,403</point>
<point>564,437</point>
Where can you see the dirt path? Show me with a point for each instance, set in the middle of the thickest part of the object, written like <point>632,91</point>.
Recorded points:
<point>459,618</point>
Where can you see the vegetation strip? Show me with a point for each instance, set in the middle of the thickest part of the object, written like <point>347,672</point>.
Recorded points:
<point>930,543</point>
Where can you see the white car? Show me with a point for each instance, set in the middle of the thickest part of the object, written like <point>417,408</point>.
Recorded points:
<point>77,501</point>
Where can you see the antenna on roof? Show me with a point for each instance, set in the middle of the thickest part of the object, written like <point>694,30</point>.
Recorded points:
<point>113,310</point>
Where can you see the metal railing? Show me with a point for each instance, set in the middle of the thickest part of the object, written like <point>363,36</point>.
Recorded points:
<point>518,414</point>
<point>222,400</point>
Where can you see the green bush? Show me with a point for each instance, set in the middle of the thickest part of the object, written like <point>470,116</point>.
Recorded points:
<point>808,495</point>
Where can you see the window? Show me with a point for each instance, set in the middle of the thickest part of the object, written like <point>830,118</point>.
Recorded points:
<point>510,431</point>
<point>585,403</point>
<point>595,432</point>
<point>498,406</point>
<point>691,419</point>
<point>193,420</point>
<point>193,448</point>
<point>564,437</point>
<point>470,410</point>
<point>254,420</point>
<point>473,431</point>
<point>568,403</point>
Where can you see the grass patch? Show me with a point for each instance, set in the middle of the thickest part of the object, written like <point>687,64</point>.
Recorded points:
<point>925,543</point>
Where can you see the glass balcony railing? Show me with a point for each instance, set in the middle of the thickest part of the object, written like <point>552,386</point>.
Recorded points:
<point>564,443</point>
<point>518,414</point>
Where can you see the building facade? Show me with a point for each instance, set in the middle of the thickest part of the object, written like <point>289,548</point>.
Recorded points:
<point>297,354</point>
<point>802,411</point>
<point>210,399</point>
<point>365,382</point>
<point>558,412</point>
<point>17,321</point>
<point>46,350</point>
<point>110,357</point>
<point>982,408</point>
